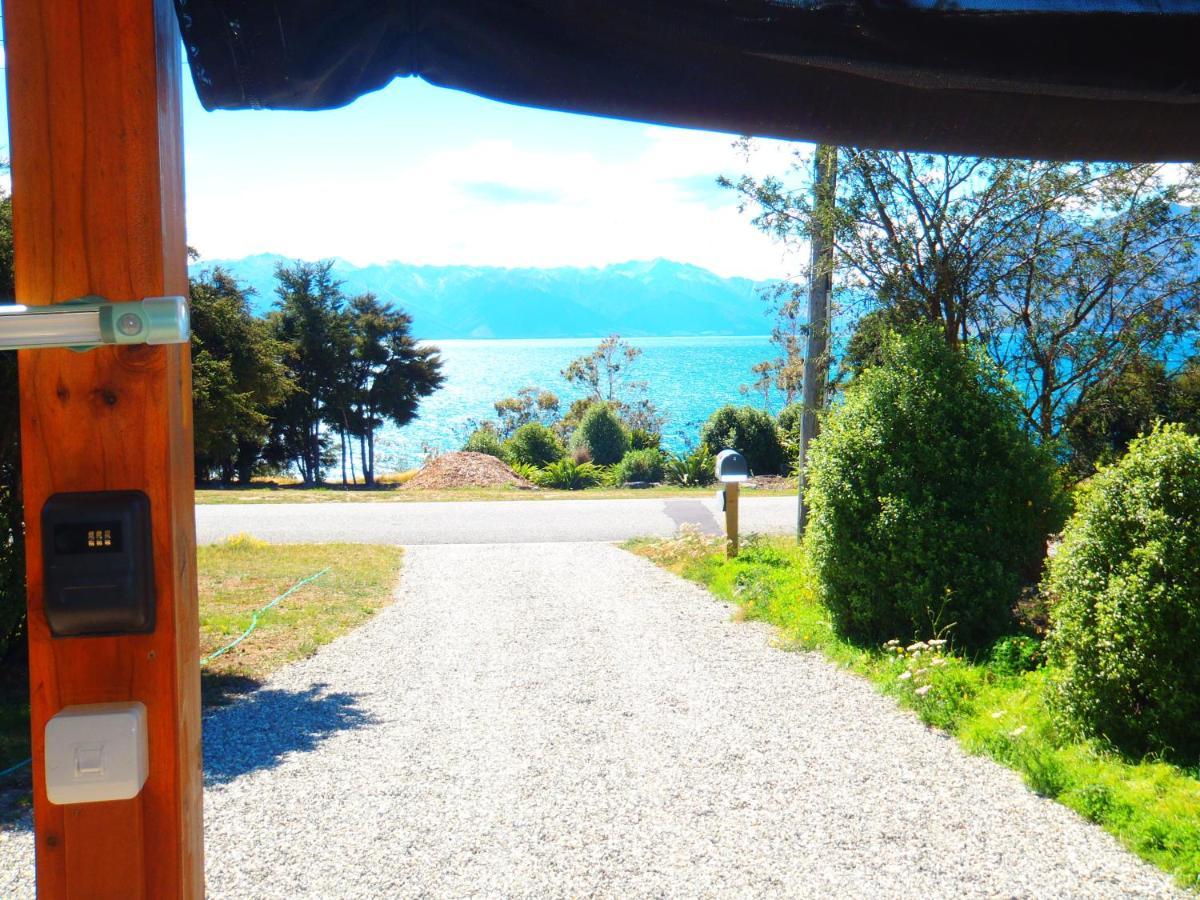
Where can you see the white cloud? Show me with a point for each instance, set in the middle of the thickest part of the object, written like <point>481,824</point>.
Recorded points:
<point>503,203</point>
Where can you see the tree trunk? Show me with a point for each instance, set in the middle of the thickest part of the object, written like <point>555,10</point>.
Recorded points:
<point>369,466</point>
<point>247,456</point>
<point>342,438</point>
<point>820,288</point>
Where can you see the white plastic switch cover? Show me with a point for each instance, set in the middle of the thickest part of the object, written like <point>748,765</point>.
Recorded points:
<point>96,752</point>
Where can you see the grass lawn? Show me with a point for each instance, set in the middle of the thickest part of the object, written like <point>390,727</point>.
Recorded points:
<point>1152,807</point>
<point>390,493</point>
<point>237,578</point>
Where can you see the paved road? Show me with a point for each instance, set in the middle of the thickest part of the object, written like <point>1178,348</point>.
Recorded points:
<point>567,720</point>
<point>486,522</point>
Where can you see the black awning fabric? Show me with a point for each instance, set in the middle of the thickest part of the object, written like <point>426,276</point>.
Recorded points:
<point>1066,79</point>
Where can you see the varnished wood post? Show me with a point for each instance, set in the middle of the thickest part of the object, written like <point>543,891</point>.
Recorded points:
<point>94,112</point>
<point>732,492</point>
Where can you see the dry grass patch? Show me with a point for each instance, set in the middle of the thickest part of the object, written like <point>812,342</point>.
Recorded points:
<point>241,575</point>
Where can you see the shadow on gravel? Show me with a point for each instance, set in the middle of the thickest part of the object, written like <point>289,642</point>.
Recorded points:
<point>256,732</point>
<point>225,688</point>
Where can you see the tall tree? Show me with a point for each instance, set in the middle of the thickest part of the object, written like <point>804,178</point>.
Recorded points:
<point>820,300</point>
<point>389,373</point>
<point>308,321</point>
<point>532,404</point>
<point>604,375</point>
<point>1100,274</point>
<point>600,372</point>
<point>1067,271</point>
<point>238,377</point>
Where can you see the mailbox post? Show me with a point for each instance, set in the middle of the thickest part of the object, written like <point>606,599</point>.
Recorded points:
<point>731,471</point>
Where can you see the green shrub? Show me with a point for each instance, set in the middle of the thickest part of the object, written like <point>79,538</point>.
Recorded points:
<point>1126,616</point>
<point>644,439</point>
<point>601,433</point>
<point>638,465</point>
<point>485,440</point>
<point>789,419</point>
<point>691,469</point>
<point>534,444</point>
<point>526,471</point>
<point>1016,653</point>
<point>566,474</point>
<point>928,502</point>
<point>750,431</point>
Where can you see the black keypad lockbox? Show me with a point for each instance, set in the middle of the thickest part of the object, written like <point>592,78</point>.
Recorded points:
<point>98,554</point>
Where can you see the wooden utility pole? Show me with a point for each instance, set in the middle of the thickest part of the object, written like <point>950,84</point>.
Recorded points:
<point>820,290</point>
<point>97,174</point>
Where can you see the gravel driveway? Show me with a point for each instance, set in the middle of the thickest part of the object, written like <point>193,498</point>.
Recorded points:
<point>568,720</point>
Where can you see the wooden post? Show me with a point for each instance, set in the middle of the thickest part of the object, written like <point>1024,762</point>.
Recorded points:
<point>94,112</point>
<point>732,491</point>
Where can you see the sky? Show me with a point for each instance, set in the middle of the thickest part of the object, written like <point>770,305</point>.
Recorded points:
<point>426,175</point>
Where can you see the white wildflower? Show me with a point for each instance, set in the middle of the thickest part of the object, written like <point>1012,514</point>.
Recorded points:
<point>923,690</point>
<point>904,676</point>
<point>1017,732</point>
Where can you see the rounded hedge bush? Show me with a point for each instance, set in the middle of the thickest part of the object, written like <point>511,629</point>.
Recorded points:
<point>601,433</point>
<point>929,505</point>
<point>1126,591</point>
<point>485,440</point>
<point>535,445</point>
<point>789,419</point>
<point>639,465</point>
<point>750,431</point>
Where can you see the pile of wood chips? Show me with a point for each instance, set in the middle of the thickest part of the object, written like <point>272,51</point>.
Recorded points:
<point>464,469</point>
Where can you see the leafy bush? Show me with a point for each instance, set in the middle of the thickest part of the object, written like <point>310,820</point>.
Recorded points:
<point>534,444</point>
<point>750,431</point>
<point>485,440</point>
<point>1126,582</point>
<point>691,469</point>
<point>1098,429</point>
<point>1015,654</point>
<point>569,475</point>
<point>638,465</point>
<point>928,502</point>
<point>526,471</point>
<point>643,439</point>
<point>789,419</point>
<point>601,433</point>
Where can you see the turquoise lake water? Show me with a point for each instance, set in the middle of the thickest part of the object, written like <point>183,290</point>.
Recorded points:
<point>688,377</point>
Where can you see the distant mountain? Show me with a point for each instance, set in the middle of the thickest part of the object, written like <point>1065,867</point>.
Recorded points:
<point>634,299</point>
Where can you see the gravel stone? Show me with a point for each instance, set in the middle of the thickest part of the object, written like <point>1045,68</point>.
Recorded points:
<point>568,720</point>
